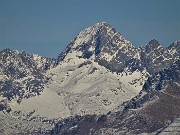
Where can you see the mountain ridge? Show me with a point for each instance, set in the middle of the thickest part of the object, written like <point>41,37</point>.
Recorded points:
<point>110,49</point>
<point>21,72</point>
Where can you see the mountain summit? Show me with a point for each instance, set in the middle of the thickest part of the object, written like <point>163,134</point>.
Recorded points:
<point>105,45</point>
<point>110,49</point>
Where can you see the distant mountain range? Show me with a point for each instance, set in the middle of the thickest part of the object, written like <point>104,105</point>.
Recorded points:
<point>100,84</point>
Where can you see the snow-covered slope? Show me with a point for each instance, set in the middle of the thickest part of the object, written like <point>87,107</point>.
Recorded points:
<point>48,104</point>
<point>89,88</point>
<point>79,86</point>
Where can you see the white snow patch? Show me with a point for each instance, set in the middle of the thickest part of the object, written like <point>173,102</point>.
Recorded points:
<point>48,104</point>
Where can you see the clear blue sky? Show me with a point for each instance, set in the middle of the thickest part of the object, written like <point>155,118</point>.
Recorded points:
<point>47,26</point>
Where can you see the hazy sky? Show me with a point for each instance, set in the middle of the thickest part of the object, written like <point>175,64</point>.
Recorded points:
<point>47,26</point>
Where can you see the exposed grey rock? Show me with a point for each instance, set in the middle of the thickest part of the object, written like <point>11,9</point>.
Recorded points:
<point>22,74</point>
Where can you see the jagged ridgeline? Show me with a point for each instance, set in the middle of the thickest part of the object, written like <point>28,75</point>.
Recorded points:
<point>21,74</point>
<point>110,49</point>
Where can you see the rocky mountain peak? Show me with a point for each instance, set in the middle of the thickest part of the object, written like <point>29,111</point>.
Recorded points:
<point>175,44</point>
<point>104,44</point>
<point>100,25</point>
<point>151,46</point>
<point>175,48</point>
<point>96,33</point>
<point>6,50</point>
<point>154,42</point>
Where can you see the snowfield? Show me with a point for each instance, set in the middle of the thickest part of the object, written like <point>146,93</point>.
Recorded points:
<point>88,88</point>
<point>80,86</point>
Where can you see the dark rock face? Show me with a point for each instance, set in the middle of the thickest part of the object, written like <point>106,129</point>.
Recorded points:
<point>164,79</point>
<point>155,57</point>
<point>175,49</point>
<point>21,74</point>
<point>157,82</point>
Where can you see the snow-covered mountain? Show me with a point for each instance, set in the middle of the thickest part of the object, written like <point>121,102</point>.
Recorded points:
<point>85,77</point>
<point>100,76</point>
